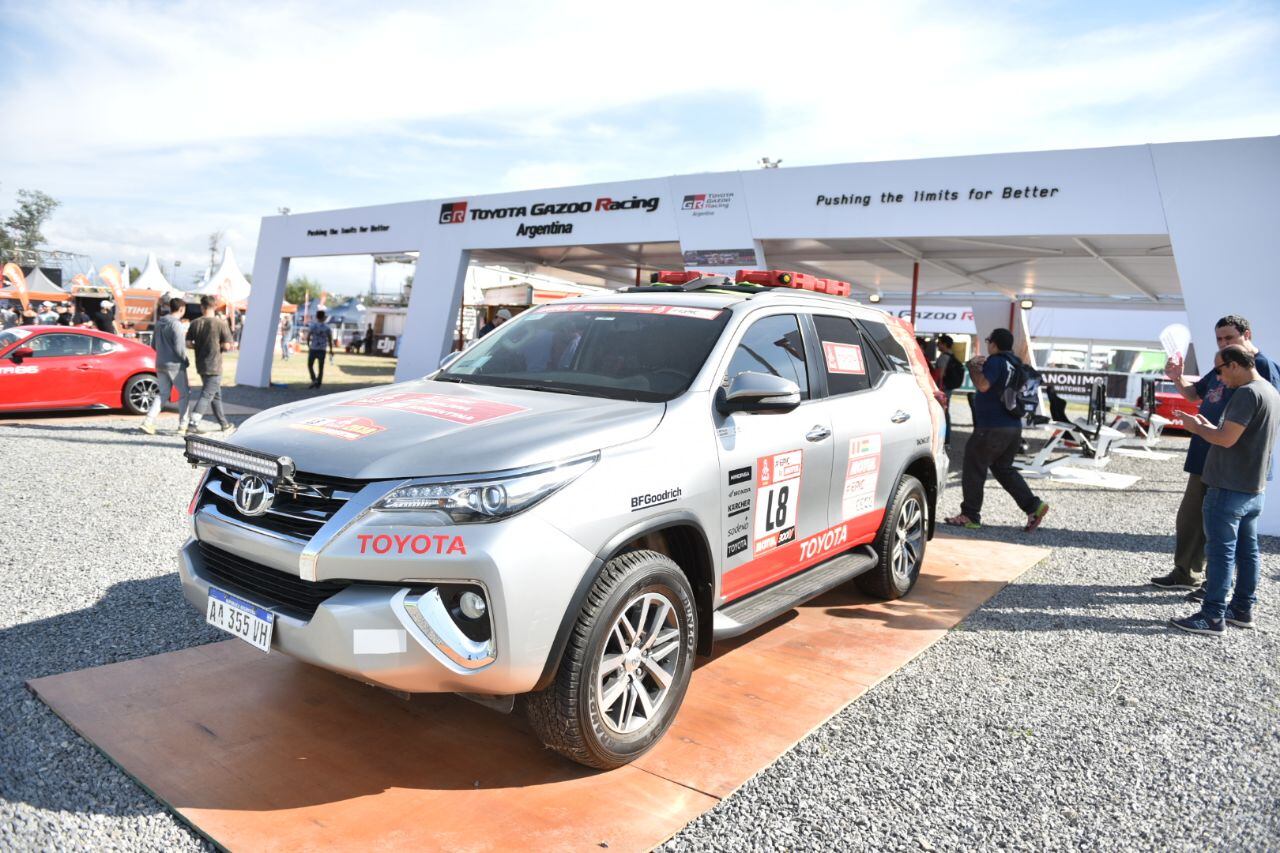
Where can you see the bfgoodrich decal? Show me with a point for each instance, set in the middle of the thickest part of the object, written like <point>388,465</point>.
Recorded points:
<point>646,501</point>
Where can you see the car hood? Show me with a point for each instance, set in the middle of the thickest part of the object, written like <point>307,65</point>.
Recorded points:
<point>426,428</point>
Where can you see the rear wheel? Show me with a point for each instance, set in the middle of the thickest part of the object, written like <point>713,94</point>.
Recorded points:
<point>900,542</point>
<point>139,391</point>
<point>627,666</point>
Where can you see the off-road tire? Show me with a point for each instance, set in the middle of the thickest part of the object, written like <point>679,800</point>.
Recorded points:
<point>882,581</point>
<point>565,715</point>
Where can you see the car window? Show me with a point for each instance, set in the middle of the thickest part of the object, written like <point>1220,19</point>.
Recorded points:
<point>889,345</point>
<point>50,346</point>
<point>8,336</point>
<point>102,347</point>
<point>773,345</point>
<point>623,351</point>
<point>844,354</point>
<point>875,366</point>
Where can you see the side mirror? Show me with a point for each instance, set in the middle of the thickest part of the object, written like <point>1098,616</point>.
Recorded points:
<point>20,353</point>
<point>758,393</point>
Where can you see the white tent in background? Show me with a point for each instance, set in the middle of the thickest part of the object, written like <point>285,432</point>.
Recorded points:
<point>151,278</point>
<point>226,281</point>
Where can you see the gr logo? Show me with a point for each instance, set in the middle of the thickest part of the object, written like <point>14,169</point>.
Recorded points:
<point>452,212</point>
<point>694,202</point>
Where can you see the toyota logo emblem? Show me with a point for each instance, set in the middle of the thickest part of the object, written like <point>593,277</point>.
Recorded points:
<point>252,495</point>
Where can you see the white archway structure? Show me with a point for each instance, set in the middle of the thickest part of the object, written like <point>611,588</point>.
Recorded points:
<point>1094,227</point>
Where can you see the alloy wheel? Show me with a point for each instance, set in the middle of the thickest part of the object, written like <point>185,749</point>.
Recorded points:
<point>638,662</point>
<point>142,393</point>
<point>908,540</point>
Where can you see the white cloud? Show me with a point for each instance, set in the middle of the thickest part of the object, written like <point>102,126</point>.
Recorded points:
<point>157,104</point>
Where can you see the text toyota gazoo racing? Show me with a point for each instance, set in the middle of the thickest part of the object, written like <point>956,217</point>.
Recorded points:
<point>569,511</point>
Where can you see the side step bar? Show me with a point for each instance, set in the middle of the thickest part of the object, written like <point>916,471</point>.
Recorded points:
<point>769,603</point>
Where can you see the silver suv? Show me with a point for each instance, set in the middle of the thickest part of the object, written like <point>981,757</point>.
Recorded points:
<point>571,509</point>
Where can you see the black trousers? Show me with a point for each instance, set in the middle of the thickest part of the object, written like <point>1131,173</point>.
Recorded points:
<point>993,450</point>
<point>316,357</point>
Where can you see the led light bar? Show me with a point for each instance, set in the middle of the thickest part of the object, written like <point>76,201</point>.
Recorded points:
<point>797,280</point>
<point>206,451</point>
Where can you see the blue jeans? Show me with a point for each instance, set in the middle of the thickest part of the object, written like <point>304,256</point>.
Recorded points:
<point>1231,542</point>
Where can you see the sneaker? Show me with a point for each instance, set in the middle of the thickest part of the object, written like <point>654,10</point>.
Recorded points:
<point>1173,580</point>
<point>1198,623</point>
<point>181,430</point>
<point>1239,617</point>
<point>148,427</point>
<point>1197,594</point>
<point>1034,519</point>
<point>227,428</point>
<point>962,521</point>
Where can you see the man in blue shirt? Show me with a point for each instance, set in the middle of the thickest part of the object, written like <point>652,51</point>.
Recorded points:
<point>319,342</point>
<point>1212,395</point>
<point>997,435</point>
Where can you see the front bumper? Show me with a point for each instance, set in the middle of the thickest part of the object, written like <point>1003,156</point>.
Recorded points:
<point>386,632</point>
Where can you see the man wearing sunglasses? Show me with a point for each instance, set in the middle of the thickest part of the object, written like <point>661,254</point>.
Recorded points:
<point>1213,396</point>
<point>1235,476</point>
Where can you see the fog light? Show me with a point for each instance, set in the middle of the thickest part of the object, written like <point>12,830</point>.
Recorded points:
<point>472,605</point>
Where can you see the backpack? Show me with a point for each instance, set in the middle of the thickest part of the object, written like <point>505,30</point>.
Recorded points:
<point>952,374</point>
<point>1021,394</point>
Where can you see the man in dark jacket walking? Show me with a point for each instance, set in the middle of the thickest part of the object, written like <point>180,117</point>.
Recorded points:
<point>171,365</point>
<point>997,435</point>
<point>210,336</point>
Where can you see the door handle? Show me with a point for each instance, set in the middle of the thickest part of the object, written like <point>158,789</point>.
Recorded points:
<point>84,367</point>
<point>900,417</point>
<point>818,433</point>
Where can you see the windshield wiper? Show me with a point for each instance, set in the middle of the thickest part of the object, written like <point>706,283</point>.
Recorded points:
<point>552,389</point>
<point>457,379</point>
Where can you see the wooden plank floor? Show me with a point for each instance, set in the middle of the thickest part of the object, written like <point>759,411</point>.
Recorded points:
<point>258,752</point>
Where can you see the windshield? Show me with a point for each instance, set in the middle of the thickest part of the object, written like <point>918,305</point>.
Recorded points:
<point>649,353</point>
<point>8,336</point>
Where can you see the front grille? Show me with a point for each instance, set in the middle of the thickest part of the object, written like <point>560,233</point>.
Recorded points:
<point>298,515</point>
<point>264,585</point>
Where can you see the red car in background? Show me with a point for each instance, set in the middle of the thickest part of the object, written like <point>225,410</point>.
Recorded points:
<point>1169,402</point>
<point>60,367</point>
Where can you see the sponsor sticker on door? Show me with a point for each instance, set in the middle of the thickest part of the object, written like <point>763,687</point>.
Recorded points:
<point>861,474</point>
<point>777,500</point>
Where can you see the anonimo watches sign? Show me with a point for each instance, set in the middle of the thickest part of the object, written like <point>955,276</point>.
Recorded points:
<point>458,212</point>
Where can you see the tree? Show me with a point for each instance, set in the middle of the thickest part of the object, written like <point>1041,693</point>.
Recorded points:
<point>134,274</point>
<point>301,288</point>
<point>215,243</point>
<point>22,228</point>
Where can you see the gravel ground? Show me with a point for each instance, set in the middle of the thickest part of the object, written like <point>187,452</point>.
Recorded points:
<point>1061,714</point>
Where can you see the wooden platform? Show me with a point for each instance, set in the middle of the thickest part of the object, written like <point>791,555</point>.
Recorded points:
<point>258,752</point>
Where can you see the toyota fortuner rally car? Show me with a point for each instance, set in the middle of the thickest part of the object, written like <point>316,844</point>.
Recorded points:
<point>572,508</point>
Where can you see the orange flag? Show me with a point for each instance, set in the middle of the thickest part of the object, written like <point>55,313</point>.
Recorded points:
<point>13,275</point>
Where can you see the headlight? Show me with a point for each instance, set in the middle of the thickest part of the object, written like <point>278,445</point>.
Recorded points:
<point>486,500</point>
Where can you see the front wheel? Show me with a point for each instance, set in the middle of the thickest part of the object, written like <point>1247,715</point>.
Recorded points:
<point>139,391</point>
<point>900,543</point>
<point>627,665</point>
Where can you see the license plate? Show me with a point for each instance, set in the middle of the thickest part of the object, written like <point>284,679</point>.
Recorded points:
<point>241,618</point>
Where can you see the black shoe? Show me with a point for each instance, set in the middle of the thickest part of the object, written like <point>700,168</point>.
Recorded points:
<point>1239,617</point>
<point>1197,594</point>
<point>1198,623</point>
<point>1173,580</point>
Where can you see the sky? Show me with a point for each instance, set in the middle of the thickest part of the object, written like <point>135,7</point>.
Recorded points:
<point>156,124</point>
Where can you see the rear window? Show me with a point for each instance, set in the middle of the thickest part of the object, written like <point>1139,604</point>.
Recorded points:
<point>888,344</point>
<point>635,351</point>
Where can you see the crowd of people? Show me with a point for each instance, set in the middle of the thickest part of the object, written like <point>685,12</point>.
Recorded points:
<point>49,313</point>
<point>1228,465</point>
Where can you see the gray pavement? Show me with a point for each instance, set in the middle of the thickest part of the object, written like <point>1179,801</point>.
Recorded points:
<point>1061,714</point>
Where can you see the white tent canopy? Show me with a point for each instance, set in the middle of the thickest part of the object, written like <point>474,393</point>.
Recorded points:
<point>226,281</point>
<point>151,278</point>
